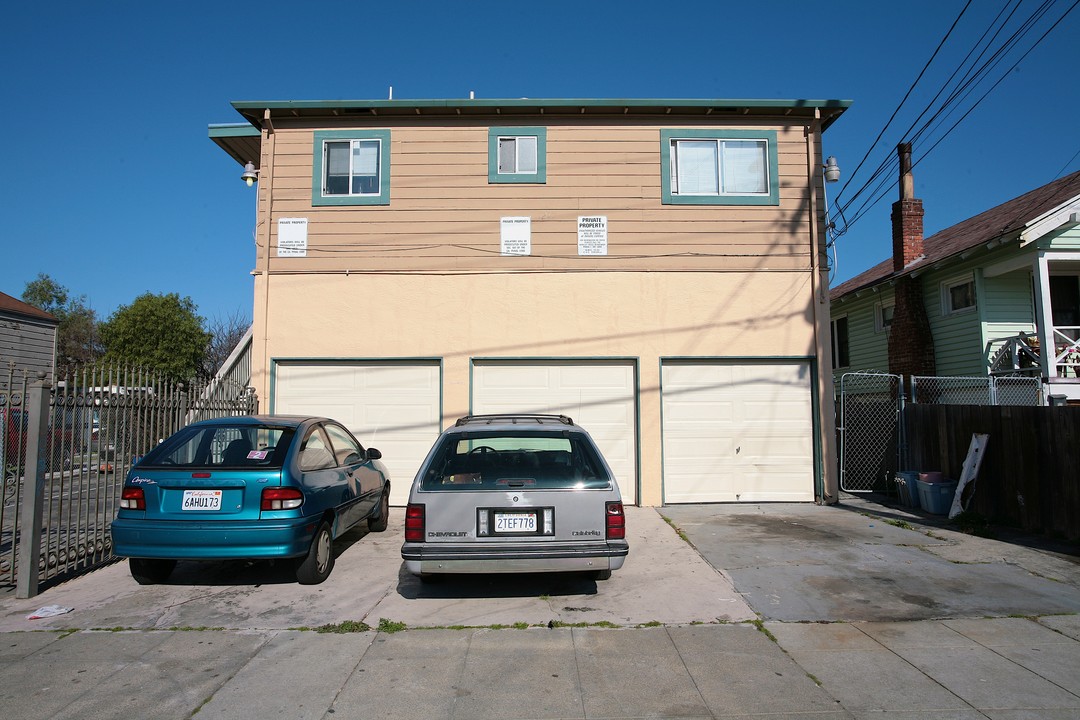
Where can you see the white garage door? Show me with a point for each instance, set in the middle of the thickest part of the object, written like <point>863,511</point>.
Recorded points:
<point>598,396</point>
<point>390,406</point>
<point>737,432</point>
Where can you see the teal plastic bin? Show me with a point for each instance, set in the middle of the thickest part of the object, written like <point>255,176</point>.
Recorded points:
<point>936,497</point>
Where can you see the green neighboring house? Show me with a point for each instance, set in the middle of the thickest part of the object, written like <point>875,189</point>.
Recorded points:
<point>983,297</point>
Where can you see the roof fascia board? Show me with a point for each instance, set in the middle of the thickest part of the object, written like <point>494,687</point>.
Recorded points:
<point>1048,222</point>
<point>252,110</point>
<point>226,130</point>
<point>571,103</point>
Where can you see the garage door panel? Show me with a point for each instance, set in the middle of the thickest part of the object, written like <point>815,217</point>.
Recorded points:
<point>700,412</point>
<point>598,396</point>
<point>701,446</point>
<point>706,487</point>
<point>517,378</point>
<point>596,377</point>
<point>732,432</point>
<point>390,406</point>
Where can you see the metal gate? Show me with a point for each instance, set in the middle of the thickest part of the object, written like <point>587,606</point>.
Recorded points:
<point>65,453</point>
<point>870,405</point>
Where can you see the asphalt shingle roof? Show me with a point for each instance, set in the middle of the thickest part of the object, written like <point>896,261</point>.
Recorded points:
<point>1008,217</point>
<point>9,304</point>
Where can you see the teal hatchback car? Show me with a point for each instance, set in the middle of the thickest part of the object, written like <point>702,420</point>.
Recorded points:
<point>259,487</point>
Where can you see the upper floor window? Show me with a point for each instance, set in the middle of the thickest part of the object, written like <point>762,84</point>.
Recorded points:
<point>958,295</point>
<point>517,155</point>
<point>719,167</point>
<point>351,167</point>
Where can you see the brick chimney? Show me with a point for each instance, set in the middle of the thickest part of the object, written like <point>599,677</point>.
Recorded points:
<point>907,216</point>
<point>911,343</point>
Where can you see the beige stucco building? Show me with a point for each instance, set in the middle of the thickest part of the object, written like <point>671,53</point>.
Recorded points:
<point>652,268</point>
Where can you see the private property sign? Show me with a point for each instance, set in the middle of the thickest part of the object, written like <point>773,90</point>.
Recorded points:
<point>592,235</point>
<point>292,237</point>
<point>516,235</point>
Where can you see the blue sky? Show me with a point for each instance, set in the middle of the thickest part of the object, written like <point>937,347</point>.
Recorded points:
<point>110,184</point>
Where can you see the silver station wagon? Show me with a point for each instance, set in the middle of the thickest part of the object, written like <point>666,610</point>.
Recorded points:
<point>514,493</point>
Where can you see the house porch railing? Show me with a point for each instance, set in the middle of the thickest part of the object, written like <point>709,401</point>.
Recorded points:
<point>1067,350</point>
<point>1022,355</point>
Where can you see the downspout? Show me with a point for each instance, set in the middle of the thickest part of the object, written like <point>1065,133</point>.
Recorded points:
<point>825,477</point>
<point>266,180</point>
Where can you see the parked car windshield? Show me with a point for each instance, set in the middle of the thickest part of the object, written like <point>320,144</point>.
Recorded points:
<point>499,461</point>
<point>233,446</point>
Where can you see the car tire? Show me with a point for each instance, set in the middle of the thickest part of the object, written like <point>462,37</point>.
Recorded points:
<point>150,572</point>
<point>315,567</point>
<point>601,575</point>
<point>378,524</point>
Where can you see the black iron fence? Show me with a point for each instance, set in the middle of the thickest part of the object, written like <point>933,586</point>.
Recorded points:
<point>66,448</point>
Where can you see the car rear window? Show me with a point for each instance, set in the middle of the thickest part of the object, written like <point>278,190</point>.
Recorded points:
<point>220,446</point>
<point>497,461</point>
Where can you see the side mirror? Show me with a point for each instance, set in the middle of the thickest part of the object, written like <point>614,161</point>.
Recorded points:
<point>373,454</point>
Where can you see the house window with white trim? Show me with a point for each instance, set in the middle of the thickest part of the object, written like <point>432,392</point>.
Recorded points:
<point>958,296</point>
<point>883,316</point>
<point>351,167</point>
<point>841,354</point>
<point>714,167</point>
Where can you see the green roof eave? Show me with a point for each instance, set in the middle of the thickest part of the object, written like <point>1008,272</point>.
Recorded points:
<point>831,109</point>
<point>242,141</point>
<point>225,130</point>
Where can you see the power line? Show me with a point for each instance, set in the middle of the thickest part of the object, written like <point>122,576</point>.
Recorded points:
<point>884,176</point>
<point>901,104</point>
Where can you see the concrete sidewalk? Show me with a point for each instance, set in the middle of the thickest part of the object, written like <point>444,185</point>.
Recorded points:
<point>675,634</point>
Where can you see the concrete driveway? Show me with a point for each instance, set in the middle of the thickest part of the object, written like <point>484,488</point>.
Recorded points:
<point>858,561</point>
<point>861,561</point>
<point>710,623</point>
<point>664,581</point>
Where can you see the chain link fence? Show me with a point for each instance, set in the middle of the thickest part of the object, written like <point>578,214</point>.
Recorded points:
<point>870,436</point>
<point>97,423</point>
<point>1000,390</point>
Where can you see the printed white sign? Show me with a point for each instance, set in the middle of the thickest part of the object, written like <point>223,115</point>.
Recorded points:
<point>516,235</point>
<point>292,237</point>
<point>592,235</point>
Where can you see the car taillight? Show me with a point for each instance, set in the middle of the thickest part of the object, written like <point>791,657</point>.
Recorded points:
<point>281,498</point>
<point>414,523</point>
<point>615,521</point>
<point>132,498</point>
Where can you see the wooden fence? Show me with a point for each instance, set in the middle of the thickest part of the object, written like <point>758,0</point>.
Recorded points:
<point>1030,475</point>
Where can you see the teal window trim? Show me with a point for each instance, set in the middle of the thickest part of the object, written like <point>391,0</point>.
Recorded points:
<point>318,153</point>
<point>537,178</point>
<point>770,198</point>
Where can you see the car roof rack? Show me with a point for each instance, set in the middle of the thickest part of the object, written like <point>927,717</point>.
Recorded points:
<point>512,418</point>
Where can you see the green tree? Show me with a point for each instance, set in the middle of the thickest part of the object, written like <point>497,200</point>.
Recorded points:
<point>163,332</point>
<point>77,335</point>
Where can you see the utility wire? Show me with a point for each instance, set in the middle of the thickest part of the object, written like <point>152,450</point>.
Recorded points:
<point>905,98</point>
<point>883,177</point>
<point>972,78</point>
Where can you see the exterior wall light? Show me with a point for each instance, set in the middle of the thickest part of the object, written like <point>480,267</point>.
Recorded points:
<point>251,175</point>
<point>832,170</point>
